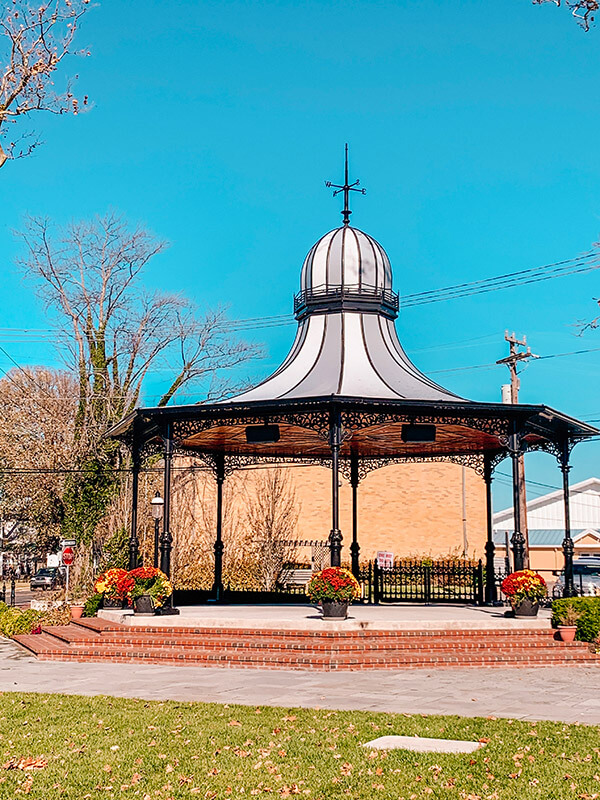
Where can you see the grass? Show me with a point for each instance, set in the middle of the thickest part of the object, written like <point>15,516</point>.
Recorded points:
<point>102,747</point>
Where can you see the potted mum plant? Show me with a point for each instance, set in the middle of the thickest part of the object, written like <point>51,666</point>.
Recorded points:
<point>335,588</point>
<point>567,623</point>
<point>114,585</point>
<point>524,590</point>
<point>150,589</point>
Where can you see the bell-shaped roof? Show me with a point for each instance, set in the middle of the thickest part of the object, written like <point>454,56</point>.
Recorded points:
<point>346,344</point>
<point>346,257</point>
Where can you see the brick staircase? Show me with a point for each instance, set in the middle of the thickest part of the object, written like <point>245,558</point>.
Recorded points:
<point>101,640</point>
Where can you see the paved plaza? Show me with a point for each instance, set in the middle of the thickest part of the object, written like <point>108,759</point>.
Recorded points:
<point>567,694</point>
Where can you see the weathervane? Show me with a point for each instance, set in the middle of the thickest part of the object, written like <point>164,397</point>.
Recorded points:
<point>346,189</point>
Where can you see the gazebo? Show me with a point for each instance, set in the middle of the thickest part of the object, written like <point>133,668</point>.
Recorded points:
<point>348,397</point>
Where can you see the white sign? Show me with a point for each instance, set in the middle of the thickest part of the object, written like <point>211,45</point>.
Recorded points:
<point>68,543</point>
<point>52,560</point>
<point>385,560</point>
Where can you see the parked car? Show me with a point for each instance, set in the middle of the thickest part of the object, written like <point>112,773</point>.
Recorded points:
<point>586,577</point>
<point>46,578</point>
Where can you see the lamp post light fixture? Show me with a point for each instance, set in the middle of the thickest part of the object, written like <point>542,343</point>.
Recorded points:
<point>157,504</point>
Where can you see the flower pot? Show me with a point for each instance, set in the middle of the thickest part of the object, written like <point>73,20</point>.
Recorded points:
<point>526,608</point>
<point>143,605</point>
<point>567,632</point>
<point>76,611</point>
<point>335,609</point>
<point>112,602</point>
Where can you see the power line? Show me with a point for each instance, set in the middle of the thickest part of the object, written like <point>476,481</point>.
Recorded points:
<point>539,358</point>
<point>586,262</point>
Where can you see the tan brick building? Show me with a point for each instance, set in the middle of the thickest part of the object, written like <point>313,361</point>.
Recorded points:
<point>408,509</point>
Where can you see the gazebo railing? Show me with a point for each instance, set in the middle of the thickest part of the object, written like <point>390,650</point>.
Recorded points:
<point>415,581</point>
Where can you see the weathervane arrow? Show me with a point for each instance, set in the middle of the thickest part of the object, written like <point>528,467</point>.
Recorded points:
<point>346,188</point>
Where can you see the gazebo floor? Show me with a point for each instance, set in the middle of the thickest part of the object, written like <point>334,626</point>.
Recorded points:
<point>307,617</point>
<point>224,638</point>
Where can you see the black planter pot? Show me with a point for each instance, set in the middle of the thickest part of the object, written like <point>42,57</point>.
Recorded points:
<point>112,603</point>
<point>526,608</point>
<point>335,609</point>
<point>143,605</point>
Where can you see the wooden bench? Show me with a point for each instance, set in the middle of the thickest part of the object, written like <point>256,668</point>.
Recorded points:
<point>291,579</point>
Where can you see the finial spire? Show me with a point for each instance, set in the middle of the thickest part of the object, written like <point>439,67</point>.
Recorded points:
<point>346,188</point>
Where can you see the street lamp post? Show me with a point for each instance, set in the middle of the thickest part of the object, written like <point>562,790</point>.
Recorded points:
<point>157,514</point>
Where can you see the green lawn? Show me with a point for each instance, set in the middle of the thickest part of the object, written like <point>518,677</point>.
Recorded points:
<point>104,747</point>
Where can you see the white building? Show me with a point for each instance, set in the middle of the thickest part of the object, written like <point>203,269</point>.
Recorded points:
<point>546,526</point>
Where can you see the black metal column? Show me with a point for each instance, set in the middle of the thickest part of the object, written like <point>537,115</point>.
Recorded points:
<point>518,540</point>
<point>354,547</point>
<point>166,540</point>
<point>156,541</point>
<point>134,545</point>
<point>217,587</point>
<point>335,536</point>
<point>567,545</point>
<point>490,573</point>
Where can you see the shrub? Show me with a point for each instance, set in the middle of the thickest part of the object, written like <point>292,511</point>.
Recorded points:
<point>61,615</point>
<point>14,621</point>
<point>92,604</point>
<point>588,624</point>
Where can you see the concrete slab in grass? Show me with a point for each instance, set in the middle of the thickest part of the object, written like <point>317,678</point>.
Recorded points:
<point>421,744</point>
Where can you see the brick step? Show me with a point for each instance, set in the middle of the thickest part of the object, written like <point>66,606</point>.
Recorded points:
<point>247,659</point>
<point>47,642</point>
<point>273,644</point>
<point>101,640</point>
<point>39,643</point>
<point>98,624</point>
<point>71,633</point>
<point>174,635</point>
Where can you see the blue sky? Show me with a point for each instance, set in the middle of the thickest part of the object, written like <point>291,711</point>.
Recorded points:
<point>472,125</point>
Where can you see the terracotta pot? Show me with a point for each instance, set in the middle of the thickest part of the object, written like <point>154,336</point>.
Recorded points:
<point>526,608</point>
<point>567,632</point>
<point>112,602</point>
<point>76,611</point>
<point>335,609</point>
<point>143,605</point>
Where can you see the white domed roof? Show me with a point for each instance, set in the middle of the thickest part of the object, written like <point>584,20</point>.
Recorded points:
<point>346,257</point>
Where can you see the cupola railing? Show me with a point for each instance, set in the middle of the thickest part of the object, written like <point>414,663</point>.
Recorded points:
<point>324,299</point>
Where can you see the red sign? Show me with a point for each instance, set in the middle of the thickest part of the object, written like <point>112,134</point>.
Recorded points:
<point>68,556</point>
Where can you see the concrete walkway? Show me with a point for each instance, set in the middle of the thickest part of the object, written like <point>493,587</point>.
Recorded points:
<point>565,694</point>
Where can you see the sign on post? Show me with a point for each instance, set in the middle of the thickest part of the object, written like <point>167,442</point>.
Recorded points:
<point>67,557</point>
<point>385,560</point>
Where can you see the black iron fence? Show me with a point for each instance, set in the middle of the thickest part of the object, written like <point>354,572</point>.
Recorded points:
<point>420,581</point>
<point>408,581</point>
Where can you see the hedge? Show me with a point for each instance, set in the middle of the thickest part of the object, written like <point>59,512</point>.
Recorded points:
<point>14,620</point>
<point>588,624</point>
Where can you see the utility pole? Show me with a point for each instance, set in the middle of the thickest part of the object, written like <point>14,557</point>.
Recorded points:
<point>511,361</point>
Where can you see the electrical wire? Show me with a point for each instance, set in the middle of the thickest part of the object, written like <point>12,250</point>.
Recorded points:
<point>586,262</point>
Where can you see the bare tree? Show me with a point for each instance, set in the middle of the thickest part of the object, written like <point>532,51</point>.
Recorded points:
<point>272,519</point>
<point>582,10</point>
<point>34,40</point>
<point>36,447</point>
<point>113,334</point>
